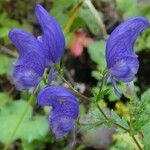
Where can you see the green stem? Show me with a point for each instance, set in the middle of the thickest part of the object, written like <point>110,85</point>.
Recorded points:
<point>137,143</point>
<point>86,98</point>
<point>74,90</point>
<point>99,94</point>
<point>132,98</point>
<point>101,86</point>
<point>19,122</point>
<point>98,97</point>
<point>99,108</point>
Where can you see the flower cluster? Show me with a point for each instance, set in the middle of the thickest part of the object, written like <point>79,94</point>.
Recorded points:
<point>121,60</point>
<point>35,54</point>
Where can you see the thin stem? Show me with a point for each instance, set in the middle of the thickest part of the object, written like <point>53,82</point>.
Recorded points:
<point>132,97</point>
<point>101,85</point>
<point>86,98</point>
<point>137,143</point>
<point>19,122</point>
<point>99,94</point>
<point>74,90</point>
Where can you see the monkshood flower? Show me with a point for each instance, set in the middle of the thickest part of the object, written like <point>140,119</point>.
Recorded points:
<point>65,109</point>
<point>37,53</point>
<point>29,67</point>
<point>52,39</point>
<point>121,60</point>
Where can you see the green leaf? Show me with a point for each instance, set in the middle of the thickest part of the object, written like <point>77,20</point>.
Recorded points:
<point>92,120</point>
<point>86,15</point>
<point>5,64</point>
<point>31,127</point>
<point>97,53</point>
<point>4,32</point>
<point>4,99</point>
<point>123,141</point>
<point>146,133</point>
<point>6,24</point>
<point>142,42</point>
<point>109,88</point>
<point>141,112</point>
<point>61,12</point>
<point>115,118</point>
<point>123,6</point>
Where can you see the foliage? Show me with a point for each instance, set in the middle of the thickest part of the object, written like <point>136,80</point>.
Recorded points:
<point>4,99</point>
<point>141,112</point>
<point>32,128</point>
<point>6,24</point>
<point>60,10</point>
<point>146,133</point>
<point>5,64</point>
<point>123,142</point>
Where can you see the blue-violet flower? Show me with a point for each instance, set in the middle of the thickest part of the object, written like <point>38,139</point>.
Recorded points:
<point>65,109</point>
<point>29,67</point>
<point>52,39</point>
<point>36,53</point>
<point>121,60</point>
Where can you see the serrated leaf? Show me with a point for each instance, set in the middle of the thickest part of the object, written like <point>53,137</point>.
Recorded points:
<point>146,133</point>
<point>141,112</point>
<point>115,118</point>
<point>30,129</point>
<point>92,120</point>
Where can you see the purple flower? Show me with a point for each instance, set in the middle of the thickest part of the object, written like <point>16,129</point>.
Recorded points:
<point>121,60</point>
<point>65,108</point>
<point>36,53</point>
<point>52,39</point>
<point>29,67</point>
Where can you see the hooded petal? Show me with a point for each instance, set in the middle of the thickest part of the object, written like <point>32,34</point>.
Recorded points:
<point>120,57</point>
<point>65,108</point>
<point>24,42</point>
<point>30,65</point>
<point>52,37</point>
